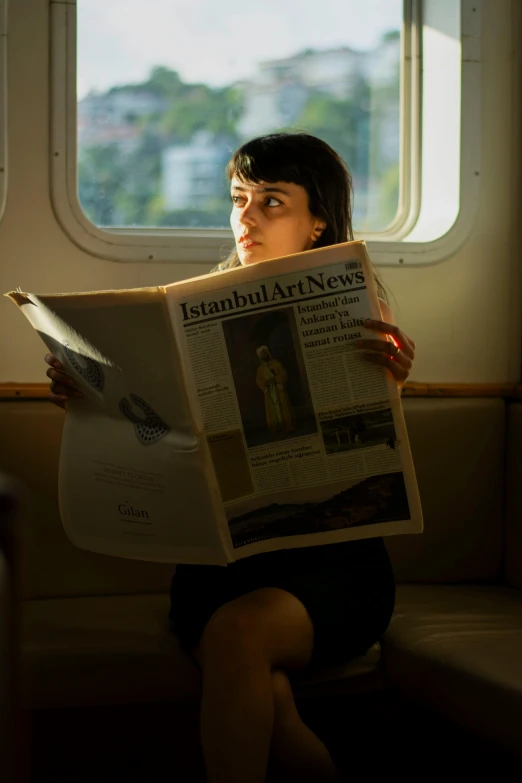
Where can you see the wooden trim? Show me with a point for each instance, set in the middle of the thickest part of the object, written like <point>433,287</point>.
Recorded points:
<point>512,391</point>
<point>23,391</point>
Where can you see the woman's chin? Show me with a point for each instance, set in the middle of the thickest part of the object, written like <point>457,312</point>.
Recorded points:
<point>251,255</point>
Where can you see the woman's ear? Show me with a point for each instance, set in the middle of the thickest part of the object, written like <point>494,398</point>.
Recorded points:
<point>318,230</point>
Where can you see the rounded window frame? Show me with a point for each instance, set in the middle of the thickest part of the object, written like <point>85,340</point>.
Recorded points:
<point>179,245</point>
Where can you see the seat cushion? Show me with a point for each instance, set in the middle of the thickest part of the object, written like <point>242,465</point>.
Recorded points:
<point>116,650</point>
<point>102,650</point>
<point>6,672</point>
<point>360,675</point>
<point>458,649</point>
<point>513,496</point>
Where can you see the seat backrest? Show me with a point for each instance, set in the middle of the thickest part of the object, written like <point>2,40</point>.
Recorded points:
<point>30,434</point>
<point>10,716</point>
<point>513,545</point>
<point>458,451</point>
<point>5,654</point>
<point>458,447</point>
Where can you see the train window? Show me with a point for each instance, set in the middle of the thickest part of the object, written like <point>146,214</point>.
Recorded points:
<point>3,105</point>
<point>148,107</point>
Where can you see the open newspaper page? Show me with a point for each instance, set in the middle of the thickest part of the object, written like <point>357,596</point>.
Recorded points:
<point>307,438</point>
<point>135,477</point>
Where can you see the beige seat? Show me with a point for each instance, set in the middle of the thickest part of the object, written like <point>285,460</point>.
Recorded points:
<point>116,650</point>
<point>457,649</point>
<point>95,632</point>
<point>11,739</point>
<point>6,706</point>
<point>94,628</point>
<point>455,642</point>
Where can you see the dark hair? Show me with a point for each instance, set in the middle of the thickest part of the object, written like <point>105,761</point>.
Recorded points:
<point>307,161</point>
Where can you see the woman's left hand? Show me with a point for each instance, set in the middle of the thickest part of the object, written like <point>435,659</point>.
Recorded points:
<point>396,355</point>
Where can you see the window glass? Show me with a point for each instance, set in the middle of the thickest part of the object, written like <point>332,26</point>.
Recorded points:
<point>168,89</point>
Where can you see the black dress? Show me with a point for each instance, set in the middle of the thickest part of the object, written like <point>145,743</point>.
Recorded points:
<point>347,588</point>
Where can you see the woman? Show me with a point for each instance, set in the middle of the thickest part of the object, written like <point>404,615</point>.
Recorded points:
<point>256,623</point>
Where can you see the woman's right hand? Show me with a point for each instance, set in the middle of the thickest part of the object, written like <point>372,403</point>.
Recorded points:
<point>62,385</point>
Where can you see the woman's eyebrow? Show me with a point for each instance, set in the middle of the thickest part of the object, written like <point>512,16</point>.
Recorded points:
<point>263,190</point>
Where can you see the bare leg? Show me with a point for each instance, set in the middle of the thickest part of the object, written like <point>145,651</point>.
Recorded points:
<point>296,753</point>
<point>244,640</point>
<point>237,714</point>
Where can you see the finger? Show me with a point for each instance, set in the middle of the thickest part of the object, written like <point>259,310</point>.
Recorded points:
<point>399,371</point>
<point>393,330</point>
<point>380,326</point>
<point>64,390</point>
<point>60,377</point>
<point>384,346</point>
<point>57,399</point>
<point>62,384</point>
<point>411,342</point>
<point>404,348</point>
<point>53,361</point>
<point>387,348</point>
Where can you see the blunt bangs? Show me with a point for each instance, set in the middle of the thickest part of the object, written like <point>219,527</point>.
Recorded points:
<point>268,159</point>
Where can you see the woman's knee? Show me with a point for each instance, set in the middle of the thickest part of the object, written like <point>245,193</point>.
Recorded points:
<point>267,624</point>
<point>231,635</point>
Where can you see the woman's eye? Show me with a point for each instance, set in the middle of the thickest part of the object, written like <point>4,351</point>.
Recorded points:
<point>236,200</point>
<point>276,202</point>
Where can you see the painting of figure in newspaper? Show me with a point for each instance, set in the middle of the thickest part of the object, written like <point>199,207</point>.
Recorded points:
<point>359,431</point>
<point>269,376</point>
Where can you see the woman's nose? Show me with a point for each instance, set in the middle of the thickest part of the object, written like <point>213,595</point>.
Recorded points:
<point>247,215</point>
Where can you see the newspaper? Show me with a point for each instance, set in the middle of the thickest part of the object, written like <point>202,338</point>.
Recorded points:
<point>229,414</point>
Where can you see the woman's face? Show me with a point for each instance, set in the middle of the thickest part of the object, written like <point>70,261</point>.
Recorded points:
<point>271,219</point>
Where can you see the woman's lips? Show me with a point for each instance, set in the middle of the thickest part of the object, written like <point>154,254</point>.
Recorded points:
<point>246,242</point>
